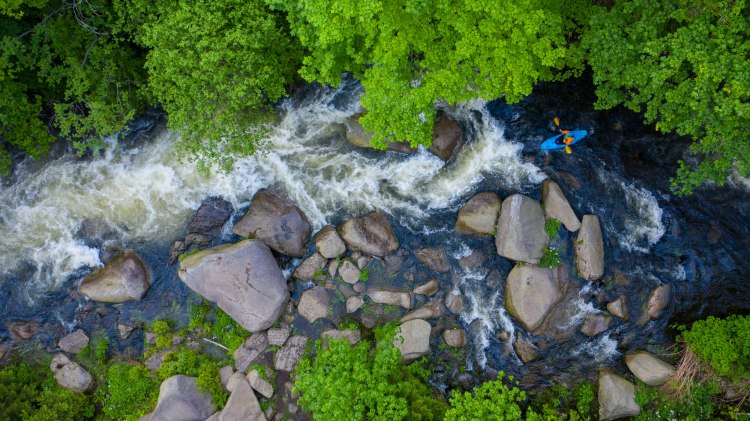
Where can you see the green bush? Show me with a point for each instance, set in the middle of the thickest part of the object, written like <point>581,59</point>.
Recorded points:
<point>345,382</point>
<point>697,405</point>
<point>131,391</point>
<point>493,400</point>
<point>550,258</point>
<point>209,380</point>
<point>218,325</point>
<point>577,402</point>
<point>552,228</point>
<point>194,364</point>
<point>724,344</point>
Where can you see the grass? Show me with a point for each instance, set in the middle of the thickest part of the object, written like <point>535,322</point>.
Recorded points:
<point>550,259</point>
<point>552,228</point>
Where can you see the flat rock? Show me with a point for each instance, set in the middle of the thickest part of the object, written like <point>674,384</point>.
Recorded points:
<point>429,289</point>
<point>74,342</point>
<point>124,278</point>
<point>70,375</point>
<point>250,350</point>
<point>22,330</point>
<point>434,258</point>
<point>447,137</point>
<point>314,303</point>
<point>243,279</point>
<point>259,384</point>
<point>530,293</point>
<point>349,272</point>
<point>353,304</point>
<point>371,234</point>
<point>180,400</point>
<point>616,397</point>
<point>589,248</point>
<point>292,352</point>
<point>413,339</point>
<point>556,206</point>
<point>431,310</point>
<point>276,221</point>
<point>455,338</point>
<point>328,242</point>
<point>351,335</point>
<point>479,214</point>
<point>619,308</point>
<point>242,405</point>
<point>278,336</point>
<point>520,230</point>
<point>525,350</point>
<point>310,267</point>
<point>455,302</point>
<point>649,369</point>
<point>395,298</point>
<point>595,324</point>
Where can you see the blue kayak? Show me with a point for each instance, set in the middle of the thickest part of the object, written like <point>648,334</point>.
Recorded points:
<point>555,142</point>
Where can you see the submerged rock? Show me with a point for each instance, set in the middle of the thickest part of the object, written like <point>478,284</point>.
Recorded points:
<point>447,137</point>
<point>276,221</point>
<point>243,279</point>
<point>525,349</point>
<point>619,308</point>
<point>180,400</point>
<point>455,338</point>
<point>589,247</point>
<point>371,234</point>
<point>479,214</point>
<point>530,292</point>
<point>70,375</point>
<point>124,278</point>
<point>616,397</point>
<point>22,330</point>
<point>74,342</point>
<point>434,258</point>
<point>211,216</point>
<point>556,206</point>
<point>429,289</point>
<point>413,339</point>
<point>520,230</point>
<point>357,136</point>
<point>328,242</point>
<point>649,369</point>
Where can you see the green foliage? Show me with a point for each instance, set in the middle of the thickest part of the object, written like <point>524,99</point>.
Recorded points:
<point>550,258</point>
<point>217,67</point>
<point>163,330</point>
<point>218,325</point>
<point>345,382</point>
<point>552,228</point>
<point>411,55</point>
<point>724,344</point>
<point>364,275</point>
<point>195,364</point>
<point>493,400</point>
<point>209,381</point>
<point>131,391</point>
<point>684,65</point>
<point>19,384</point>
<point>697,405</point>
<point>577,402</point>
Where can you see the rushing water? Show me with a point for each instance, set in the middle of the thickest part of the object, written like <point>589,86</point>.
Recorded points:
<point>58,217</point>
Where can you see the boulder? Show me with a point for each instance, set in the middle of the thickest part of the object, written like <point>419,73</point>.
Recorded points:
<point>278,336</point>
<point>357,136</point>
<point>22,330</point>
<point>395,298</point>
<point>530,292</point>
<point>429,289</point>
<point>589,247</point>
<point>250,350</point>
<point>649,369</point>
<point>276,221</point>
<point>243,279</point>
<point>520,230</point>
<point>434,258</point>
<point>595,324</point>
<point>371,234</point>
<point>314,303</point>
<point>328,242</point>
<point>310,267</point>
<point>556,206</point>
<point>455,338</point>
<point>447,137</point>
<point>211,216</point>
<point>180,400</point>
<point>616,397</point>
<point>431,310</point>
<point>225,373</point>
<point>259,384</point>
<point>657,301</point>
<point>242,405</point>
<point>413,339</point>
<point>74,342</point>
<point>70,375</point>
<point>351,335</point>
<point>292,352</point>
<point>455,302</point>
<point>525,350</point>
<point>349,272</point>
<point>619,308</point>
<point>124,278</point>
<point>235,379</point>
<point>479,214</point>
<point>353,304</point>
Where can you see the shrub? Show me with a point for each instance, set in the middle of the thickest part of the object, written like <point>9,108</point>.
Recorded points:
<point>218,325</point>
<point>550,258</point>
<point>698,404</point>
<point>131,391</point>
<point>493,400</point>
<point>192,363</point>
<point>163,331</point>
<point>722,344</point>
<point>364,275</point>
<point>552,228</point>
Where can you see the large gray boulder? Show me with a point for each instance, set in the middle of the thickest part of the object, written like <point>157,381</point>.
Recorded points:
<point>616,397</point>
<point>242,404</point>
<point>310,267</point>
<point>74,342</point>
<point>530,293</point>
<point>589,247</point>
<point>479,214</point>
<point>180,400</point>
<point>371,234</point>
<point>447,137</point>
<point>328,242</point>
<point>649,369</point>
<point>314,303</point>
<point>243,279</point>
<point>413,339</point>
<point>124,278</point>
<point>520,230</point>
<point>556,206</point>
<point>70,375</point>
<point>276,221</point>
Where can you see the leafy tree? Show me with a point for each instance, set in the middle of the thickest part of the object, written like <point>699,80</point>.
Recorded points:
<point>217,67</point>
<point>685,65</point>
<point>410,55</point>
<point>492,401</point>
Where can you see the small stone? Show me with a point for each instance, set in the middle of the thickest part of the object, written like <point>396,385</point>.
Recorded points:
<point>619,308</point>
<point>150,338</point>
<point>250,350</point>
<point>288,356</point>
<point>649,369</point>
<point>351,335</point>
<point>349,272</point>
<point>353,304</point>
<point>455,302</point>
<point>616,397</point>
<point>363,261</point>
<point>396,298</point>
<point>74,342</point>
<point>124,330</point>
<point>413,339</point>
<point>595,324</point>
<point>278,336</point>
<point>70,375</point>
<point>428,289</point>
<point>525,349</point>
<point>455,338</point>
<point>259,384</point>
<point>233,380</point>
<point>310,267</point>
<point>333,267</point>
<point>431,310</point>
<point>359,287</point>
<point>314,303</point>
<point>328,242</point>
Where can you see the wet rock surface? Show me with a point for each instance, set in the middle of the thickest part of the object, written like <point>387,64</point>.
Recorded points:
<point>124,278</point>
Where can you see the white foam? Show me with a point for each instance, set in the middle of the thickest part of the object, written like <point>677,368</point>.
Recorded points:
<point>601,349</point>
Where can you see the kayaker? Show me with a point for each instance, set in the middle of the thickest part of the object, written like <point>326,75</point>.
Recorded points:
<point>566,138</point>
